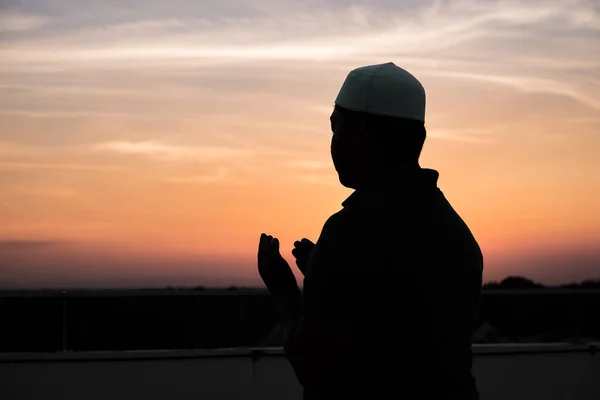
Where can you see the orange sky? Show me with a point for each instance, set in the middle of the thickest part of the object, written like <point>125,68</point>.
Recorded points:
<point>151,144</point>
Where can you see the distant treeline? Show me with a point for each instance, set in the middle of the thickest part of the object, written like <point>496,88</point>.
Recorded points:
<point>508,283</point>
<point>519,282</point>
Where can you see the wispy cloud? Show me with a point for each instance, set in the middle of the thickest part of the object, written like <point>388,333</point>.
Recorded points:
<point>20,244</point>
<point>311,164</point>
<point>583,120</point>
<point>52,192</point>
<point>70,114</point>
<point>326,33</point>
<point>168,152</point>
<point>321,109</point>
<point>61,193</point>
<point>462,135</point>
<point>18,166</point>
<point>222,174</point>
<point>529,46</point>
<point>328,180</point>
<point>146,27</point>
<point>529,85</point>
<point>12,21</point>
<point>514,44</point>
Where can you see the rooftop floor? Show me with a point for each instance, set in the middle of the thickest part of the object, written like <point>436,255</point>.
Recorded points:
<point>503,371</point>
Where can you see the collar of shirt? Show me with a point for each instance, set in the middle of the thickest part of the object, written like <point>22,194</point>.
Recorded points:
<point>417,179</point>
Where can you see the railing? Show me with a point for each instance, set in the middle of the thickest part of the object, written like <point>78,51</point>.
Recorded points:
<point>82,321</point>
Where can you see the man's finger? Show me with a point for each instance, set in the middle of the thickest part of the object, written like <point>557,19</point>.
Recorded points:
<point>275,246</point>
<point>307,242</point>
<point>297,243</point>
<point>263,244</point>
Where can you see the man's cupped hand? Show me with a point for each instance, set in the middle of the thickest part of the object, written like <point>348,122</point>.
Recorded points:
<point>301,252</point>
<point>274,270</point>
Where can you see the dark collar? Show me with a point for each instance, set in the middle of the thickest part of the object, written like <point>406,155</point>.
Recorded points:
<point>412,179</point>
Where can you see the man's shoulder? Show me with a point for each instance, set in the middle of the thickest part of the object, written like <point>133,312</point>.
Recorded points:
<point>347,222</point>
<point>343,233</point>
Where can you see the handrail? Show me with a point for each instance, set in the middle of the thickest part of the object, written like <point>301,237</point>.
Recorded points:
<point>248,292</point>
<point>260,352</point>
<point>131,293</point>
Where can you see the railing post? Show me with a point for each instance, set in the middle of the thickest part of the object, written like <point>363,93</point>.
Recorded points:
<point>577,317</point>
<point>242,327</point>
<point>64,322</point>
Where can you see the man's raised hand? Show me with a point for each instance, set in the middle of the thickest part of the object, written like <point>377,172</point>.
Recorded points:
<point>274,270</point>
<point>301,252</point>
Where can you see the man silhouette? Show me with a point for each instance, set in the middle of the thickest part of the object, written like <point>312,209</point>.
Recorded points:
<point>392,286</point>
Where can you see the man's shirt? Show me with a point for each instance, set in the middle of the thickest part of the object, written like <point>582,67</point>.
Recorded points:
<point>398,267</point>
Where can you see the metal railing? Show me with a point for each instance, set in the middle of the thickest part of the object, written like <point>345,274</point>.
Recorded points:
<point>69,308</point>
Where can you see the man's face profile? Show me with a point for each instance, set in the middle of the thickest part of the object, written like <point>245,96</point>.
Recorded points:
<point>345,148</point>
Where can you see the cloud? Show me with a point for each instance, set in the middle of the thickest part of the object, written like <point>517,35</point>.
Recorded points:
<point>463,135</point>
<point>145,27</point>
<point>328,180</point>
<point>204,50</point>
<point>321,109</point>
<point>311,164</point>
<point>528,85</point>
<point>583,120</point>
<point>222,174</point>
<point>27,244</point>
<point>167,152</point>
<point>12,21</point>
<point>317,172</point>
<point>20,166</point>
<point>70,114</point>
<point>298,32</point>
<point>511,43</point>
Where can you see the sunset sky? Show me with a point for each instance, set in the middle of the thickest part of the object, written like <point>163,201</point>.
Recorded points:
<point>149,143</point>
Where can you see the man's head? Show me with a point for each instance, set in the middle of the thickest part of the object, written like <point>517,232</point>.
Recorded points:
<point>377,124</point>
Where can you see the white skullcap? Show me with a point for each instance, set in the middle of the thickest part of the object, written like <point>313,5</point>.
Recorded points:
<point>383,89</point>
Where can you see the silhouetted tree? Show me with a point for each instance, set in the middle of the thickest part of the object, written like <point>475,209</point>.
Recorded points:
<point>491,285</point>
<point>586,284</point>
<point>514,282</point>
<point>591,284</point>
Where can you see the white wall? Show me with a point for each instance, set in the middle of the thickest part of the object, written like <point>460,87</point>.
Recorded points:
<point>226,378</point>
<point>553,376</point>
<point>231,374</point>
